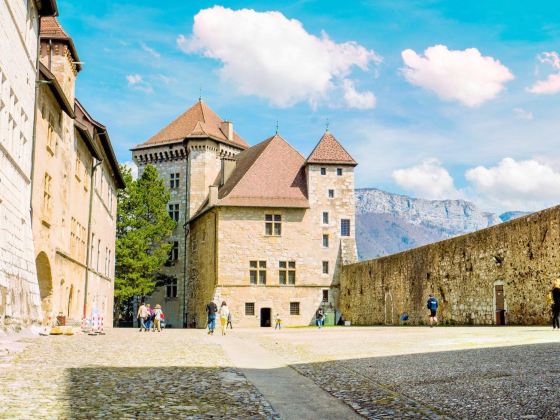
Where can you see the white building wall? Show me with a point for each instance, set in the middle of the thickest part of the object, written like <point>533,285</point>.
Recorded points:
<point>19,291</point>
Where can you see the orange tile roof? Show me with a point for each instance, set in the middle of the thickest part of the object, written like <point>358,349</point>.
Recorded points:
<point>199,121</point>
<point>330,151</point>
<point>51,29</point>
<point>269,174</point>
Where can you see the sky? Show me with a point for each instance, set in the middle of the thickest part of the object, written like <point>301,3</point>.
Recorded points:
<point>434,99</point>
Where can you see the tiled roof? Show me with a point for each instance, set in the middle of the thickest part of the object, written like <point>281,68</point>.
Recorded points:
<point>199,121</point>
<point>52,29</point>
<point>269,174</point>
<point>330,151</point>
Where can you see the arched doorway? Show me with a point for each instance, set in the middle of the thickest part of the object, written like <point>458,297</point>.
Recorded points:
<point>45,282</point>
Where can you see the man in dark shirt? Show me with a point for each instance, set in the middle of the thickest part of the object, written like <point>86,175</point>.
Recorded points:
<point>211,309</point>
<point>556,305</point>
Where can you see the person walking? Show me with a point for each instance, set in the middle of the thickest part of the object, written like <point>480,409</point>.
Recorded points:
<point>224,315</point>
<point>555,292</point>
<point>211,310</point>
<point>229,321</point>
<point>432,305</point>
<point>142,315</point>
<point>277,322</point>
<point>150,318</point>
<point>158,313</point>
<point>319,317</point>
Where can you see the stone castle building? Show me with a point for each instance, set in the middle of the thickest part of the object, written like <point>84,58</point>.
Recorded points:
<point>266,229</point>
<point>75,178</point>
<point>19,32</point>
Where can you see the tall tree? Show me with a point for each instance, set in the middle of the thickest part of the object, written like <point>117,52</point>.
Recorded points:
<point>143,230</point>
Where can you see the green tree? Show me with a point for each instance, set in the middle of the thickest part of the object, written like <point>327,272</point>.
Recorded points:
<point>143,230</point>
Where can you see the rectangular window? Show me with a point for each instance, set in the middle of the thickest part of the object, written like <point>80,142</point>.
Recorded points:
<point>345,227</point>
<point>47,193</point>
<point>331,193</point>
<point>294,308</point>
<point>325,295</point>
<point>325,241</point>
<point>50,135</point>
<point>250,308</point>
<point>257,272</point>
<point>325,267</point>
<point>171,289</point>
<point>339,171</point>
<point>174,180</point>
<point>323,171</point>
<point>325,217</point>
<point>174,252</point>
<point>287,272</point>
<point>173,210</point>
<point>273,224</point>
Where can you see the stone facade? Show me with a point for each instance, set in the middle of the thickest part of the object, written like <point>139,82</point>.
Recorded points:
<point>225,240</point>
<point>466,274</point>
<point>75,178</point>
<point>19,31</point>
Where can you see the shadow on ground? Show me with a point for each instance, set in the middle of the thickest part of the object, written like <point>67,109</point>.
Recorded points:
<point>161,392</point>
<point>500,382</point>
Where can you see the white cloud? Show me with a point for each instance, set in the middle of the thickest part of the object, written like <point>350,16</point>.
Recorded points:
<point>523,114</point>
<point>133,79</point>
<point>355,99</point>
<point>527,184</point>
<point>133,168</point>
<point>551,84</point>
<point>150,50</point>
<point>465,76</point>
<point>268,55</point>
<point>427,180</point>
<point>136,82</point>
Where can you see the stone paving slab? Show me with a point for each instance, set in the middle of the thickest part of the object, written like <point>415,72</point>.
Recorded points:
<point>292,395</point>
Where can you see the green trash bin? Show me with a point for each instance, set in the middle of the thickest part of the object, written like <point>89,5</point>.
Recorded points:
<point>329,318</point>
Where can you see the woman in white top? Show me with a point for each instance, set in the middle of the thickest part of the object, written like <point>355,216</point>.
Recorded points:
<point>157,319</point>
<point>224,313</point>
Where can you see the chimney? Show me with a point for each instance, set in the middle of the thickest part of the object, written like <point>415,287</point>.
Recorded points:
<point>212,195</point>
<point>227,129</point>
<point>228,166</point>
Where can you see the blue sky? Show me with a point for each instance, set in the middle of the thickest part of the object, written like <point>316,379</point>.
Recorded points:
<point>436,99</point>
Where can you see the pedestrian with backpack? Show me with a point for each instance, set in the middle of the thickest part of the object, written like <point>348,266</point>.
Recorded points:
<point>432,305</point>
<point>211,310</point>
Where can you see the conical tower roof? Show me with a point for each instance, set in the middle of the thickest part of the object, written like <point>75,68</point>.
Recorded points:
<point>199,121</point>
<point>330,151</point>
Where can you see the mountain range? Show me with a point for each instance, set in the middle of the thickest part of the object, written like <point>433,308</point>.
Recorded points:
<point>388,223</point>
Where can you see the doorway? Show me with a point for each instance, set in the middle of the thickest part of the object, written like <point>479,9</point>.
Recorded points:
<point>500,305</point>
<point>265,317</point>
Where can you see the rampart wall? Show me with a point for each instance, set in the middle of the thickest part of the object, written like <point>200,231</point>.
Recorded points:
<point>522,255</point>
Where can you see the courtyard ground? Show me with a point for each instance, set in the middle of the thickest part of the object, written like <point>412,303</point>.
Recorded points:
<point>375,372</point>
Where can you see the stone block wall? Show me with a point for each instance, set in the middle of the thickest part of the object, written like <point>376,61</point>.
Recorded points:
<point>523,255</point>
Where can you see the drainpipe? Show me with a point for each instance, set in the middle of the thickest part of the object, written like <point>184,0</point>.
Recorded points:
<point>186,236</point>
<point>88,245</point>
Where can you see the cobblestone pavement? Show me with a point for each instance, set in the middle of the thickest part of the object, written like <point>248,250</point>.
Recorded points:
<point>409,372</point>
<point>381,372</point>
<point>127,374</point>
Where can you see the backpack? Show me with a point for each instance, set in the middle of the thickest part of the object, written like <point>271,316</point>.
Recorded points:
<point>432,304</point>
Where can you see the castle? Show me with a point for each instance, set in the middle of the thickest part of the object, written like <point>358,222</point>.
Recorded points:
<point>263,228</point>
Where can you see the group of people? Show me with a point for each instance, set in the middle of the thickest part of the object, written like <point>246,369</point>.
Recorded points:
<point>150,318</point>
<point>224,314</point>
